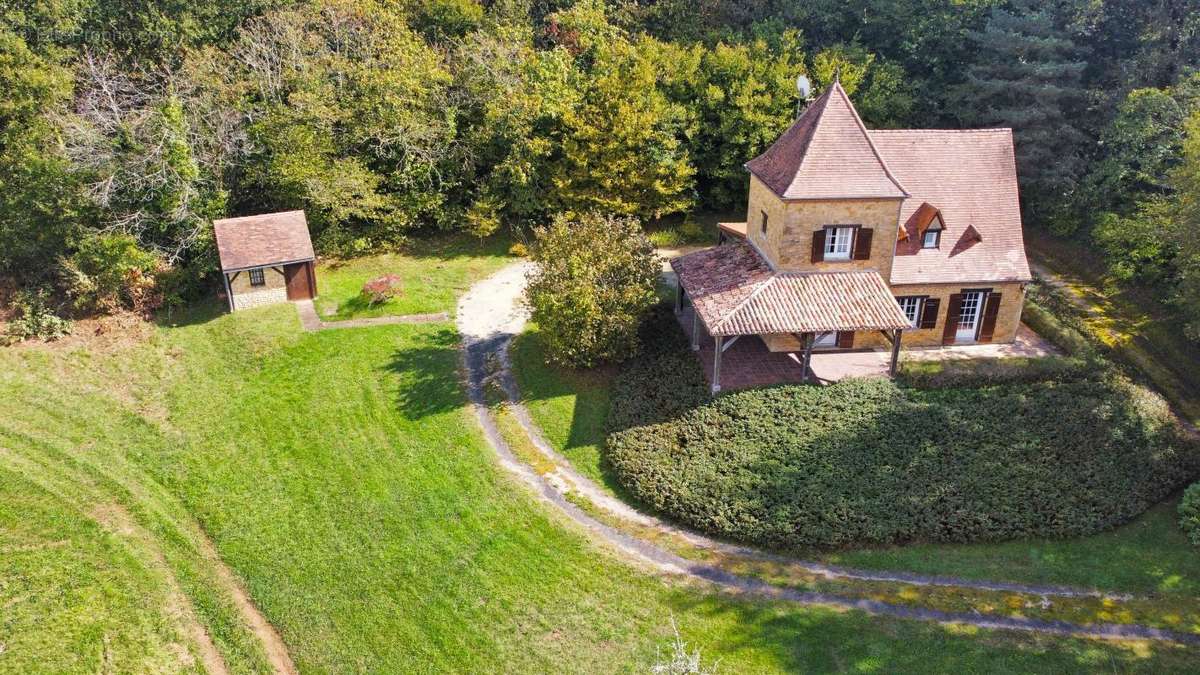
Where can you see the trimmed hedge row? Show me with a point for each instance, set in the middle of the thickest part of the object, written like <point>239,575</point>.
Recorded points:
<point>868,461</point>
<point>1189,513</point>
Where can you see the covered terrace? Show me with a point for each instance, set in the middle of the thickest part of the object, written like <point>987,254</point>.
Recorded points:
<point>729,294</point>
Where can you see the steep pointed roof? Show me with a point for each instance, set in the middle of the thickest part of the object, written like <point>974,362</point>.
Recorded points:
<point>826,154</point>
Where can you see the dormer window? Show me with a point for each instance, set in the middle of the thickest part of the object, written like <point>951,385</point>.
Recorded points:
<point>933,234</point>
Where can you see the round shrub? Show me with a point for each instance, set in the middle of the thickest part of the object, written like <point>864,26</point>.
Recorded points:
<point>595,281</point>
<point>1189,513</point>
<point>868,461</point>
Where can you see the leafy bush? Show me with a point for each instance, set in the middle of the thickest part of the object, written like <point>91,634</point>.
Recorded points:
<point>111,272</point>
<point>35,319</point>
<point>867,461</point>
<point>1189,513</point>
<point>381,289</point>
<point>596,278</point>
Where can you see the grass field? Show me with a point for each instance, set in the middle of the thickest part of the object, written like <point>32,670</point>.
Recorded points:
<point>433,272</point>
<point>1131,323</point>
<point>342,479</point>
<point>1150,555</point>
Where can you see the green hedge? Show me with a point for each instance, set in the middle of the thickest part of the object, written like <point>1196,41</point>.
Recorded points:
<point>988,372</point>
<point>1189,513</point>
<point>868,461</point>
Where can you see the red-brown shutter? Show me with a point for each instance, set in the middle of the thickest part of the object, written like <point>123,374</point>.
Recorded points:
<point>929,313</point>
<point>952,313</point>
<point>991,309</point>
<point>845,339</point>
<point>818,246</point>
<point>862,243</point>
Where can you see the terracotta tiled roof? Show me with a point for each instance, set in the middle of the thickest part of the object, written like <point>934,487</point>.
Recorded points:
<point>918,221</point>
<point>733,229</point>
<point>970,177</point>
<point>736,293</point>
<point>267,239</point>
<point>826,154</point>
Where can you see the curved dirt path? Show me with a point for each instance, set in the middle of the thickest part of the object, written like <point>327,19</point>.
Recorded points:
<point>490,314</point>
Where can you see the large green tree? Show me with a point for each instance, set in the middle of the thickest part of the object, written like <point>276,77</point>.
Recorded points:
<point>349,119</point>
<point>1027,75</point>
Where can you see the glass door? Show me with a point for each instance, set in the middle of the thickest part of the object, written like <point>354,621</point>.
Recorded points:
<point>968,317</point>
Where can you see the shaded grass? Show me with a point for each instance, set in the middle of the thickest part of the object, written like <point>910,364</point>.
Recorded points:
<point>569,406</point>
<point>683,230</point>
<point>345,482</point>
<point>433,270</point>
<point>1131,323</point>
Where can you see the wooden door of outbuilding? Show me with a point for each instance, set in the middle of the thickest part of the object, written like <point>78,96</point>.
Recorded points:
<point>300,282</point>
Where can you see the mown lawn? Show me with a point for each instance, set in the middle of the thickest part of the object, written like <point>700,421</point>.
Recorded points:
<point>1147,556</point>
<point>342,478</point>
<point>433,272</point>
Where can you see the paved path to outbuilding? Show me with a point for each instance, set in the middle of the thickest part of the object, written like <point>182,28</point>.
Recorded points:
<point>490,314</point>
<point>310,321</point>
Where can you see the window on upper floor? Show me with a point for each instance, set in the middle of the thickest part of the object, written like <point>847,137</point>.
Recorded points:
<point>933,234</point>
<point>763,223</point>
<point>838,242</point>
<point>257,278</point>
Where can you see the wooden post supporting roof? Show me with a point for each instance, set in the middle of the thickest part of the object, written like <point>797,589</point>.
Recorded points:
<point>678,296</point>
<point>717,350</point>
<point>895,353</point>
<point>807,360</point>
<point>695,328</point>
<point>228,290</point>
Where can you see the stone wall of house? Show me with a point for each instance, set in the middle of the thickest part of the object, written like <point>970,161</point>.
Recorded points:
<point>791,225</point>
<point>258,298</point>
<point>273,290</point>
<point>761,201</point>
<point>1007,320</point>
<point>805,218</point>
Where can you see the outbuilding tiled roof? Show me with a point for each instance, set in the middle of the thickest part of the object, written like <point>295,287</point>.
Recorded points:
<point>826,154</point>
<point>266,239</point>
<point>970,177</point>
<point>734,292</point>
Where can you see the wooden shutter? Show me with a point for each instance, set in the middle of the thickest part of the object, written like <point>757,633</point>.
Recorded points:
<point>929,313</point>
<point>845,339</point>
<point>952,312</point>
<point>862,243</point>
<point>818,246</point>
<point>991,309</point>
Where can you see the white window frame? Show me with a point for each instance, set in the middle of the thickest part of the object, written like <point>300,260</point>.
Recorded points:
<point>911,306</point>
<point>839,243</point>
<point>931,238</point>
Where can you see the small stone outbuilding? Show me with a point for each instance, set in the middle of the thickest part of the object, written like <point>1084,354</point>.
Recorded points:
<point>266,259</point>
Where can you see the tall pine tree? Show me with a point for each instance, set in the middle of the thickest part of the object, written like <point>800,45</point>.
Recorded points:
<point>1027,75</point>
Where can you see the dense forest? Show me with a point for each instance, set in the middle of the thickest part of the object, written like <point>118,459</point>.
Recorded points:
<point>128,125</point>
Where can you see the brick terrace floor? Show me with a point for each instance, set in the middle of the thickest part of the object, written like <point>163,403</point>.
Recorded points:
<point>748,363</point>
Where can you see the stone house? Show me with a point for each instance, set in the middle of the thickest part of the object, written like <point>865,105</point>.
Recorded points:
<point>266,259</point>
<point>858,238</point>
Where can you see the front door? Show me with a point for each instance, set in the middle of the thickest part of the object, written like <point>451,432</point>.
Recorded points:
<point>968,317</point>
<point>298,286</point>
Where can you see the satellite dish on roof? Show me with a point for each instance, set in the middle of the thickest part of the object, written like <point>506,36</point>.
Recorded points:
<point>803,86</point>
